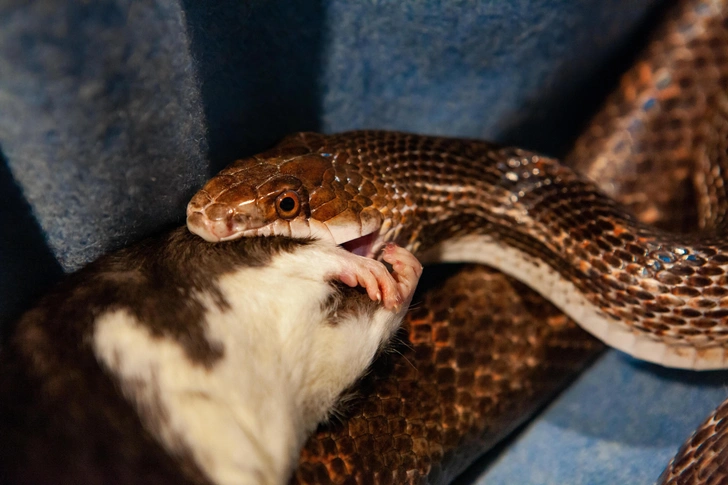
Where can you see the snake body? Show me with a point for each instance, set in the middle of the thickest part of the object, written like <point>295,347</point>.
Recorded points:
<point>659,297</point>
<point>633,280</point>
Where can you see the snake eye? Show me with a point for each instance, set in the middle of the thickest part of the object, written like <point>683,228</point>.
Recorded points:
<point>288,205</point>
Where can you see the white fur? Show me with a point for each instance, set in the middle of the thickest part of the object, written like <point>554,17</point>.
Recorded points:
<point>283,367</point>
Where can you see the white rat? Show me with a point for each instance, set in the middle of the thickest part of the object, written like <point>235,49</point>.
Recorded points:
<point>180,361</point>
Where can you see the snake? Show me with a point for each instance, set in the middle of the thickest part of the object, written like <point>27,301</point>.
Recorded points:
<point>613,256</point>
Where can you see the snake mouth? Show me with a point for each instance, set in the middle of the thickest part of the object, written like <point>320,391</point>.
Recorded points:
<point>359,234</point>
<point>366,246</point>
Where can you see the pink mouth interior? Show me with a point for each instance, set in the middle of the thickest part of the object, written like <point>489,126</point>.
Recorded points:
<point>362,246</point>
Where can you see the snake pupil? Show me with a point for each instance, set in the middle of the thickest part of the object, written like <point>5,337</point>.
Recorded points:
<point>287,204</point>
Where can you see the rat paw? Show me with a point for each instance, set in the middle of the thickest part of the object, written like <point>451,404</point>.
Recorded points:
<point>393,290</point>
<point>371,275</point>
<point>407,271</point>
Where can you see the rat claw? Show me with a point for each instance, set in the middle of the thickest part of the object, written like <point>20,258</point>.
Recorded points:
<point>392,290</point>
<point>407,270</point>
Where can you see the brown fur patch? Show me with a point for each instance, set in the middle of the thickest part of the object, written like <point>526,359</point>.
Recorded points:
<point>62,418</point>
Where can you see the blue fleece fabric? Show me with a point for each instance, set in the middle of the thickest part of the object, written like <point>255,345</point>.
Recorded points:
<point>620,422</point>
<point>113,112</point>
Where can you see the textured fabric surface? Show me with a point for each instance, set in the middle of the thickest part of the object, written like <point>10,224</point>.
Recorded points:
<point>512,71</point>
<point>620,422</point>
<point>112,114</point>
<point>101,119</point>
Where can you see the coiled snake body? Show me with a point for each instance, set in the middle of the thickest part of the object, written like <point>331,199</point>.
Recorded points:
<point>658,295</point>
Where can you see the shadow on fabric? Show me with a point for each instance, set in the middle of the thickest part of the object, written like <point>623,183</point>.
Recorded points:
<point>27,266</point>
<point>554,120</point>
<point>259,64</point>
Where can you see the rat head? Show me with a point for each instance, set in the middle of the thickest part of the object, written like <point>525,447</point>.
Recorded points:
<point>292,191</point>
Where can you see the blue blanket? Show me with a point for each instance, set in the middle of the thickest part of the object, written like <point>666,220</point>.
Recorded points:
<point>113,112</point>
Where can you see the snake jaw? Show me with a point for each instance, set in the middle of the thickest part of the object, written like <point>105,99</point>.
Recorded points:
<point>361,237</point>
<point>365,246</point>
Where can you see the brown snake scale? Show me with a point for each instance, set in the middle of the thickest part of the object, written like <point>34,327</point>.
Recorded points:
<point>661,136</point>
<point>658,148</point>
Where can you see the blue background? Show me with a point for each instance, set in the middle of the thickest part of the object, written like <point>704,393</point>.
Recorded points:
<point>112,113</point>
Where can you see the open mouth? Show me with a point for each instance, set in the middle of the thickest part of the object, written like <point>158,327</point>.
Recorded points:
<point>225,229</point>
<point>364,246</point>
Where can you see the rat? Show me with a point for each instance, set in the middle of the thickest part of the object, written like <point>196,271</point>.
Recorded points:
<point>180,361</point>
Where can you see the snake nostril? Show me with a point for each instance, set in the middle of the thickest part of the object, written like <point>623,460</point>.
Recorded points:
<point>195,219</point>
<point>218,212</point>
<point>199,224</point>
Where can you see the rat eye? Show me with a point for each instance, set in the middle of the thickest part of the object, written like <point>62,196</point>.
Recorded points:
<point>288,205</point>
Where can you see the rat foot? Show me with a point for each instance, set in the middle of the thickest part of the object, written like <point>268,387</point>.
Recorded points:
<point>407,271</point>
<point>393,290</point>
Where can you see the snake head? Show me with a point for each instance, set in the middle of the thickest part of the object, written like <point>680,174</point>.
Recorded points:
<point>246,198</point>
<point>292,190</point>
